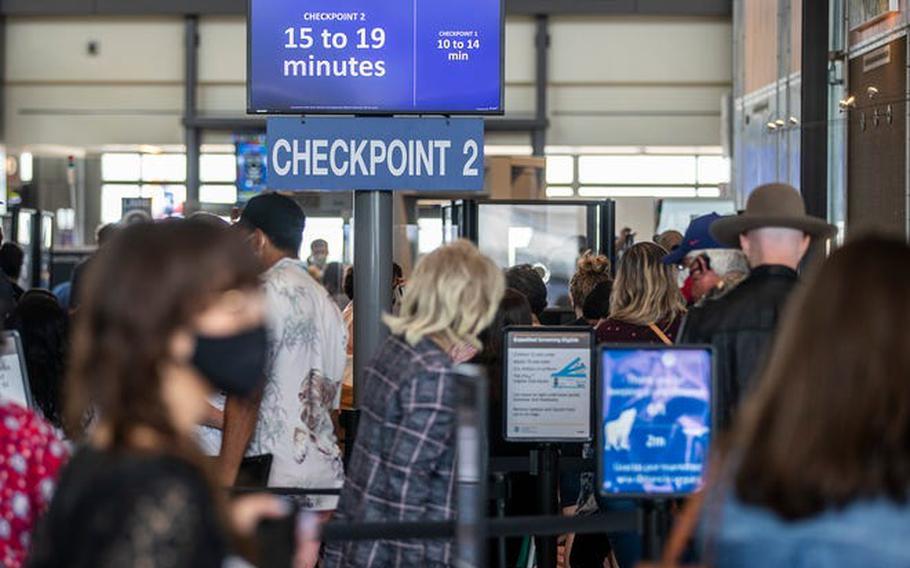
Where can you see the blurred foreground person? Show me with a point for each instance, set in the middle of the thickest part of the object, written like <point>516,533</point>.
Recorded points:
<point>591,271</point>
<point>646,306</point>
<point>819,469</point>
<point>774,233</point>
<point>403,464</point>
<point>137,493</point>
<point>42,323</point>
<point>714,269</point>
<point>670,240</point>
<point>31,456</point>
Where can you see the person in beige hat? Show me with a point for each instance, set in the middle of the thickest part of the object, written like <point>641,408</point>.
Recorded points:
<point>774,232</point>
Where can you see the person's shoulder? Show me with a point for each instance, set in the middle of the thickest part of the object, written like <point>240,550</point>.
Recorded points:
<point>19,421</point>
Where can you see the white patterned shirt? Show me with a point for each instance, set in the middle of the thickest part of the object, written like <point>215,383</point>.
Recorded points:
<point>307,339</point>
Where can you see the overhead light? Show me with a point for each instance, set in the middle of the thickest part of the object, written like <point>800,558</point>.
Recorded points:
<point>772,126</point>
<point>794,121</point>
<point>871,91</point>
<point>780,122</point>
<point>847,103</point>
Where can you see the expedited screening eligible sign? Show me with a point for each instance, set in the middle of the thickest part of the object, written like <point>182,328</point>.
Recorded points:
<point>423,154</point>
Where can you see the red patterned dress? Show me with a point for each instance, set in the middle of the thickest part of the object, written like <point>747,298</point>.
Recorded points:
<point>31,456</point>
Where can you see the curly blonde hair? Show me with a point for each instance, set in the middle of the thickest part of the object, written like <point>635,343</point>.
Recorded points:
<point>452,295</point>
<point>590,271</point>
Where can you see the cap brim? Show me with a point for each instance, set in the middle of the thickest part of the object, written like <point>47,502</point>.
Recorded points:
<point>676,256</point>
<point>727,230</point>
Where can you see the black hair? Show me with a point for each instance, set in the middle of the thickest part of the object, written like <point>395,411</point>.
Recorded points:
<point>523,278</point>
<point>106,232</point>
<point>11,259</point>
<point>597,304</point>
<point>42,323</point>
<point>348,284</point>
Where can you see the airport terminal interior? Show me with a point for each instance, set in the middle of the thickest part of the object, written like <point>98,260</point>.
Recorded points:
<point>631,283</point>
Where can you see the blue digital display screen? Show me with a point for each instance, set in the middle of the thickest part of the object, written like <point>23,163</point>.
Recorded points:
<point>656,420</point>
<point>252,167</point>
<point>381,56</point>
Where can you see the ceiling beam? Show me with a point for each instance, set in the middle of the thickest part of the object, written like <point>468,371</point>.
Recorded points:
<point>712,8</point>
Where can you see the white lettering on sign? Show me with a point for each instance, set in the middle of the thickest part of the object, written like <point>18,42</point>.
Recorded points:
<point>323,157</point>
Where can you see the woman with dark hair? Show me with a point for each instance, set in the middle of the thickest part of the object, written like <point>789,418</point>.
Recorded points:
<point>333,280</point>
<point>514,309</point>
<point>42,323</point>
<point>818,471</point>
<point>179,316</point>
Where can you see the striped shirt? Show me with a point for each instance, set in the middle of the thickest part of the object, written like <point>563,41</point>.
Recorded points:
<point>403,464</point>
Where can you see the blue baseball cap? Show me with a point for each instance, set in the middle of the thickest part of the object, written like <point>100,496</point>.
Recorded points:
<point>698,237</point>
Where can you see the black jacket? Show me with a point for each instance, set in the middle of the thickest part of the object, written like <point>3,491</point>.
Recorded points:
<point>740,326</point>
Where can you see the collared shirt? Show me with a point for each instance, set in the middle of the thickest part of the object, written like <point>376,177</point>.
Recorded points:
<point>307,341</point>
<point>403,464</point>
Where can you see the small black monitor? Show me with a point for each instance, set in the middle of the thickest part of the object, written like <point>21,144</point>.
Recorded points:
<point>655,419</point>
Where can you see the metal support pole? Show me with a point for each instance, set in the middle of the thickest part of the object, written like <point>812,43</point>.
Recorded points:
<point>542,46</point>
<point>471,523</point>
<point>191,132</point>
<point>548,493</point>
<point>372,277</point>
<point>814,132</point>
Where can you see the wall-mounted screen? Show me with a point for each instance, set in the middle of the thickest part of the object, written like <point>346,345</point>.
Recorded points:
<point>548,384</point>
<point>252,167</point>
<point>376,57</point>
<point>655,419</point>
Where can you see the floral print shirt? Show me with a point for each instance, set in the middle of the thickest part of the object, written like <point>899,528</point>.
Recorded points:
<point>307,340</point>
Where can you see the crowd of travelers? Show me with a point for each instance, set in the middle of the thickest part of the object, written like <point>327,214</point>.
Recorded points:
<point>190,356</point>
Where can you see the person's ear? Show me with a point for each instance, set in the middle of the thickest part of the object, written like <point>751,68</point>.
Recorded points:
<point>804,245</point>
<point>745,244</point>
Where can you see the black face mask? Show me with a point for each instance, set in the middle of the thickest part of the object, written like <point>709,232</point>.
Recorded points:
<point>234,363</point>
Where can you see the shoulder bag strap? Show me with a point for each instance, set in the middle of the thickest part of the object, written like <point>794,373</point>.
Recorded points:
<point>660,334</point>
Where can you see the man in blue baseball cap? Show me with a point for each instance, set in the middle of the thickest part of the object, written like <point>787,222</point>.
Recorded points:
<point>713,268</point>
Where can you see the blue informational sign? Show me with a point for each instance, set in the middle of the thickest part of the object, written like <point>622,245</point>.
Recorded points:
<point>656,420</point>
<point>252,167</point>
<point>375,56</point>
<point>424,154</point>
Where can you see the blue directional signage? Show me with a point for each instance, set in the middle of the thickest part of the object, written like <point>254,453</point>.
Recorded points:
<point>347,153</point>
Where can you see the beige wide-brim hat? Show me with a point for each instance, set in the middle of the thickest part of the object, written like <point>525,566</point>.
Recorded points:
<point>771,205</point>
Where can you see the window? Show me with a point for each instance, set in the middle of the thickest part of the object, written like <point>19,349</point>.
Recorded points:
<point>217,168</point>
<point>163,167</point>
<point>224,194</point>
<point>650,171</point>
<point>121,167</point>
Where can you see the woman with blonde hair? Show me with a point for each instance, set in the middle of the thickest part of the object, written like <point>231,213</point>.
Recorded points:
<point>403,464</point>
<point>646,306</point>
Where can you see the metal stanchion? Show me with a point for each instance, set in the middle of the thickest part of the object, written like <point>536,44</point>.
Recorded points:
<point>471,524</point>
<point>548,493</point>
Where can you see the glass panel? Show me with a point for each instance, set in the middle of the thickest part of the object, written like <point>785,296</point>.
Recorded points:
<point>554,191</point>
<point>709,192</point>
<point>331,230</point>
<point>636,191</point>
<point>121,167</point>
<point>549,236</point>
<point>429,235</point>
<point>226,194</point>
<point>218,168</point>
<point>713,170</point>
<point>111,204</point>
<point>163,167</point>
<point>636,169</point>
<point>560,169</point>
<point>26,167</point>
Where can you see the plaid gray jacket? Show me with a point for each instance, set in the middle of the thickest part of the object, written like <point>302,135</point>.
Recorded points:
<point>403,464</point>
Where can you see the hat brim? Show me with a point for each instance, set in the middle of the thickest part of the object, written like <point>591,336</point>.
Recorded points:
<point>727,230</point>
<point>676,256</point>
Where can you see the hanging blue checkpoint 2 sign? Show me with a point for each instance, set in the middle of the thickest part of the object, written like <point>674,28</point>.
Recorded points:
<point>346,153</point>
